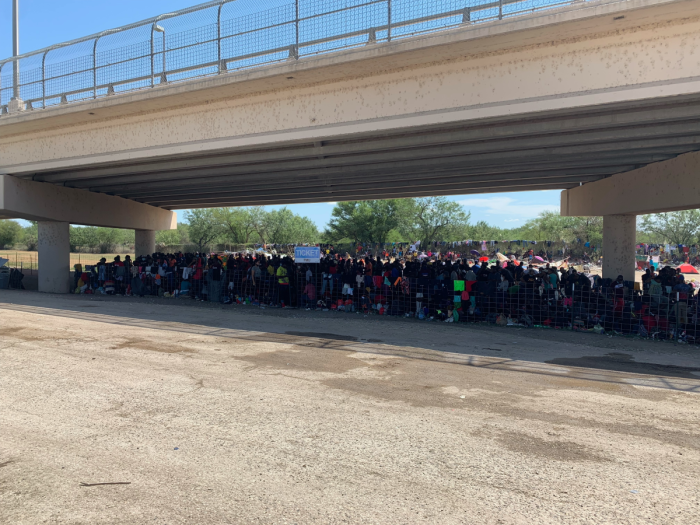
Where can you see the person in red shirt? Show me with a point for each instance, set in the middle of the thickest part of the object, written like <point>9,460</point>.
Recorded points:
<point>198,272</point>
<point>308,298</point>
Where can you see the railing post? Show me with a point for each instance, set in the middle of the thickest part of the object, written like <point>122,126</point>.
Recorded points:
<point>218,36</point>
<point>153,80</point>
<point>467,16</point>
<point>388,37</point>
<point>296,23</point>
<point>500,9</point>
<point>94,68</point>
<point>43,81</point>
<point>164,77</point>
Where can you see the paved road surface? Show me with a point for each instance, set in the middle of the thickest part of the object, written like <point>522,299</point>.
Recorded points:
<point>217,416</point>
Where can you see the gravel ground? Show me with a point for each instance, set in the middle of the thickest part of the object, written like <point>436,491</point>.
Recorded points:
<point>129,411</point>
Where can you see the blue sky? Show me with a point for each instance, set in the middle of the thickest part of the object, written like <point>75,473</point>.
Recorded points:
<point>46,22</point>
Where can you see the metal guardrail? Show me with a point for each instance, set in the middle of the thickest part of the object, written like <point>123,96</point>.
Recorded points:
<point>66,73</point>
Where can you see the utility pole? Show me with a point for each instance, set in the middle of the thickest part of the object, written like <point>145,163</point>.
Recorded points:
<point>16,103</point>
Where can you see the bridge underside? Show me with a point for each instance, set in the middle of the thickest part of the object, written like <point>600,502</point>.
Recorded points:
<point>544,151</point>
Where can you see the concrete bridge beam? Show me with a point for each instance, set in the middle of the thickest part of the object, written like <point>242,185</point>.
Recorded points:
<point>37,201</point>
<point>670,185</point>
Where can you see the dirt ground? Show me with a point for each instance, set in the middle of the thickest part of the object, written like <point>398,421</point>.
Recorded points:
<point>126,411</point>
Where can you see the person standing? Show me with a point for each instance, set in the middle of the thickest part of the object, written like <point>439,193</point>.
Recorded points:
<point>119,275</point>
<point>197,274</point>
<point>283,283</point>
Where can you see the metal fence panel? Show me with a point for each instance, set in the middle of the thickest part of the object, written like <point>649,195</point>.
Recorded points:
<point>575,302</point>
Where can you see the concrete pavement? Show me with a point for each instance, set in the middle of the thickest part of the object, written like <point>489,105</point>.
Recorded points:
<point>249,416</point>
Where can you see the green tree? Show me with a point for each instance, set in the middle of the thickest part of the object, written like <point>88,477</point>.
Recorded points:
<point>30,236</point>
<point>483,231</point>
<point>285,227</point>
<point>240,224</point>
<point>10,233</point>
<point>176,237</point>
<point>588,229</point>
<point>83,237</point>
<point>548,226</point>
<point>678,227</point>
<point>435,218</point>
<point>108,239</point>
<point>375,221</point>
<point>204,228</point>
<point>103,240</point>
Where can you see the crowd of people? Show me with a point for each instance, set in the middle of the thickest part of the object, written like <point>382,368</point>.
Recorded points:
<point>525,290</point>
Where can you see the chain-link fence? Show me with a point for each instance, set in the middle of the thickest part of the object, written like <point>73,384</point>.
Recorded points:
<point>220,36</point>
<point>663,308</point>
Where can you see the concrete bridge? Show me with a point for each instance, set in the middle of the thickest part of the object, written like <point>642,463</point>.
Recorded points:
<point>600,99</point>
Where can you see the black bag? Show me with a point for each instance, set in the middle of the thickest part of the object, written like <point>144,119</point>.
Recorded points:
<point>16,279</point>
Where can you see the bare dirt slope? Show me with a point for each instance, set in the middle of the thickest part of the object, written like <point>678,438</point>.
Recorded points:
<point>237,416</point>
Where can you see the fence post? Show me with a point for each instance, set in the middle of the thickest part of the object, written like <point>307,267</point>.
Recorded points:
<point>573,290</point>
<point>389,19</point>
<point>500,9</point>
<point>678,320</point>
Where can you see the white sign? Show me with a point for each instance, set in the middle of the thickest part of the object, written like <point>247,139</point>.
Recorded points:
<point>307,254</point>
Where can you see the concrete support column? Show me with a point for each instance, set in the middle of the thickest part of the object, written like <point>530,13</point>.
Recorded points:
<point>145,242</point>
<point>619,239</point>
<point>54,257</point>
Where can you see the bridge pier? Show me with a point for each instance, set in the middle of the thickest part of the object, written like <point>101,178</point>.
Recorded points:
<point>669,185</point>
<point>54,257</point>
<point>55,208</point>
<point>145,242</point>
<point>619,239</point>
